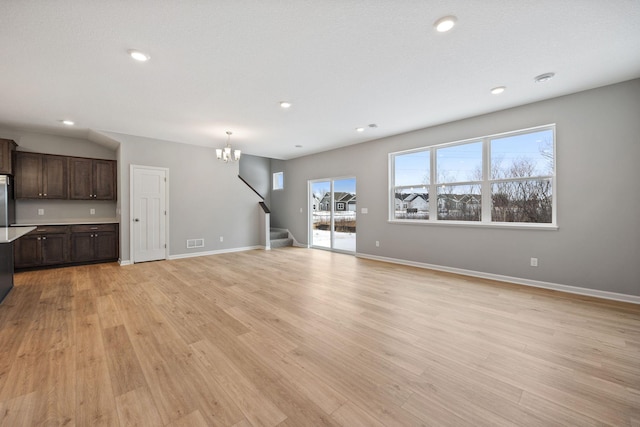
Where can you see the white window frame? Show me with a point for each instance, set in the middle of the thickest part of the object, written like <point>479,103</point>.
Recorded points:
<point>274,181</point>
<point>485,185</point>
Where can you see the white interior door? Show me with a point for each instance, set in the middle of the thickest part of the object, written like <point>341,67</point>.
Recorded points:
<point>149,213</point>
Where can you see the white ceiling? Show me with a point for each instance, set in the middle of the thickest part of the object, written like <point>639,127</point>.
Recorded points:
<point>219,65</point>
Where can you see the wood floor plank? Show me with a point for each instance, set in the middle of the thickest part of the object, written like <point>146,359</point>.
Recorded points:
<point>295,337</point>
<point>21,411</point>
<point>137,408</point>
<point>95,402</point>
<point>257,407</point>
<point>124,367</point>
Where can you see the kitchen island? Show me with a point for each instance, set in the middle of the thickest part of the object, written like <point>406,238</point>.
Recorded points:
<point>8,235</point>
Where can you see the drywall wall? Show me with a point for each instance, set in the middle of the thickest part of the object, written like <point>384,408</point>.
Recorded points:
<point>54,144</point>
<point>56,210</point>
<point>257,172</point>
<point>597,245</point>
<point>206,197</point>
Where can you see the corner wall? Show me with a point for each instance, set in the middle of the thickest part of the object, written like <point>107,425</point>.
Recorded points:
<point>597,245</point>
<point>206,197</point>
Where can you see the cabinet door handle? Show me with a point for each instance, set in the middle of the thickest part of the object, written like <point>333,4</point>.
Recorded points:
<point>95,235</point>
<point>45,194</point>
<point>44,238</point>
<point>39,194</point>
<point>94,228</point>
<point>39,238</point>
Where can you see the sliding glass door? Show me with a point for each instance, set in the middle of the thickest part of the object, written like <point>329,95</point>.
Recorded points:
<point>332,223</point>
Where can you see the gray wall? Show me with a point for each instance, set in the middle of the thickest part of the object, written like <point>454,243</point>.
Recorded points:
<point>61,210</point>
<point>597,151</point>
<point>257,172</point>
<point>206,198</point>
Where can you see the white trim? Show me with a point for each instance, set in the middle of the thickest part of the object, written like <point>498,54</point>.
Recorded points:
<point>216,252</point>
<point>516,280</point>
<point>477,224</point>
<point>124,262</point>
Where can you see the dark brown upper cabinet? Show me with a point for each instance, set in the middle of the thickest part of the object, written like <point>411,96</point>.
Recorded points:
<point>7,147</point>
<point>92,179</point>
<point>41,176</point>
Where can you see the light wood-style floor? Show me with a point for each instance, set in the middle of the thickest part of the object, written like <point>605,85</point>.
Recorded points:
<point>297,337</point>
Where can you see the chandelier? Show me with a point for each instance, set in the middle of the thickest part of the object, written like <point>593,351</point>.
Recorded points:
<point>224,154</point>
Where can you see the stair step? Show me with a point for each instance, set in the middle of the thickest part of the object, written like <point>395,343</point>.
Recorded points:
<point>278,234</point>
<point>281,243</point>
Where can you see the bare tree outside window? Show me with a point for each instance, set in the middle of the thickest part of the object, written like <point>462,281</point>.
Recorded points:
<point>522,178</point>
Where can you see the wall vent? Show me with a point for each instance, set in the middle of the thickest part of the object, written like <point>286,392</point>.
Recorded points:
<point>195,243</point>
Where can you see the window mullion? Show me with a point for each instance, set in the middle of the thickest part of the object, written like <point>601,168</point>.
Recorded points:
<point>433,186</point>
<point>486,184</point>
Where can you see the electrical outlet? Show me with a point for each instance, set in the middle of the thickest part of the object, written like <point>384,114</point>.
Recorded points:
<point>364,210</point>
<point>534,262</point>
<point>301,210</point>
<point>40,211</point>
<point>377,244</point>
<point>92,211</point>
<point>222,238</point>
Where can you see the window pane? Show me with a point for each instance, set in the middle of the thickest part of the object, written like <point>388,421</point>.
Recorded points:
<point>459,163</point>
<point>411,203</point>
<point>522,201</point>
<point>459,203</point>
<point>278,180</point>
<point>522,156</point>
<point>412,168</point>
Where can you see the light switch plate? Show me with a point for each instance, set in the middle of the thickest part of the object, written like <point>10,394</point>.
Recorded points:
<point>40,211</point>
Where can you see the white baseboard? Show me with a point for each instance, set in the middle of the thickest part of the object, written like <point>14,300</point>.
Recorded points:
<point>123,262</point>
<point>216,252</point>
<point>517,280</point>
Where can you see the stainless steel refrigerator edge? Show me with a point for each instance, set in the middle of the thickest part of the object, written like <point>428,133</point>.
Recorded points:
<point>7,217</point>
<point>7,202</point>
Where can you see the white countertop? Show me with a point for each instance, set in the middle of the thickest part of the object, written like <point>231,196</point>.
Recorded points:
<point>9,234</point>
<point>68,222</point>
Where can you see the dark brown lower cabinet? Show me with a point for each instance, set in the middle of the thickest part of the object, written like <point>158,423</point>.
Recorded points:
<point>94,242</point>
<point>42,247</point>
<point>62,245</point>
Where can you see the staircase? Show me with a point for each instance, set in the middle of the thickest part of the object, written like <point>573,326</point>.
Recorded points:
<point>280,238</point>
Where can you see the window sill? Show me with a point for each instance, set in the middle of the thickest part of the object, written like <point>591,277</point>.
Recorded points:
<point>501,225</point>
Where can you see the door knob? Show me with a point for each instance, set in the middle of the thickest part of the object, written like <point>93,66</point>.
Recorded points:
<point>136,220</point>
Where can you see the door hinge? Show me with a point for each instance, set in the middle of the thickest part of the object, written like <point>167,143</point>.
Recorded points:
<point>165,212</point>
<point>165,179</point>
<point>165,246</point>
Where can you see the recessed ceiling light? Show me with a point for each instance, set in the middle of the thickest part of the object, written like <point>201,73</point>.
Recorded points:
<point>373,125</point>
<point>498,90</point>
<point>544,77</point>
<point>138,56</point>
<point>285,104</point>
<point>298,146</point>
<point>68,122</point>
<point>359,129</point>
<point>445,23</point>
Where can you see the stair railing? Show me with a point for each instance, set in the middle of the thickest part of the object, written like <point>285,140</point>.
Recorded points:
<point>265,218</point>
